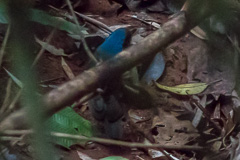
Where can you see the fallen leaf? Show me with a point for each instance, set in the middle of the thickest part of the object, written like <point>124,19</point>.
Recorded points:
<point>67,69</point>
<point>51,49</point>
<point>184,89</point>
<point>172,131</point>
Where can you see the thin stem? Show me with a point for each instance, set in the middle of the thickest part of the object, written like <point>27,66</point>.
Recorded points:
<point>110,141</point>
<point>4,44</point>
<point>7,96</point>
<point>95,22</point>
<point>127,144</point>
<point>5,138</point>
<point>43,49</point>
<point>11,106</point>
<point>89,53</point>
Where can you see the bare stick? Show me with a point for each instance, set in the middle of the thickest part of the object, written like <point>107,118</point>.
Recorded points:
<point>90,54</point>
<point>106,141</point>
<point>4,44</point>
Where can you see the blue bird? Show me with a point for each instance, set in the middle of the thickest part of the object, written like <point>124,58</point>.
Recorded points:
<point>109,105</point>
<point>114,44</point>
<point>106,107</point>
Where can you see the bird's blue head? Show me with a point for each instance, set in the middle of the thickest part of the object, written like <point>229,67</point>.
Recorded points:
<point>114,44</point>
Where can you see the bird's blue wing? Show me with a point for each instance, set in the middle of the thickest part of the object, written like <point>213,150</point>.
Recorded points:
<point>112,45</point>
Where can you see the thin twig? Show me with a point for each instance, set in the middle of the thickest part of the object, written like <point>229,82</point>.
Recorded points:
<point>5,138</point>
<point>87,18</point>
<point>49,38</point>
<point>109,141</point>
<point>4,44</point>
<point>90,54</point>
<point>206,114</point>
<point>7,96</point>
<point>16,132</point>
<point>126,144</point>
<point>95,22</point>
<point>11,106</point>
<point>144,21</point>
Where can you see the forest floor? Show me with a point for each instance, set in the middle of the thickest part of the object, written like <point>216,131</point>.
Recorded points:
<point>173,124</point>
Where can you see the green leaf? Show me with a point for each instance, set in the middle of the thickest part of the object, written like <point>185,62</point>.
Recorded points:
<point>114,158</point>
<point>68,121</point>
<point>57,22</point>
<point>15,79</point>
<point>44,18</point>
<point>184,89</point>
<point>51,49</point>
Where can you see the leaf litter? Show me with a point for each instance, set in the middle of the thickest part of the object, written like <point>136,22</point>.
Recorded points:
<point>179,121</point>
